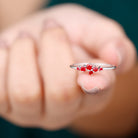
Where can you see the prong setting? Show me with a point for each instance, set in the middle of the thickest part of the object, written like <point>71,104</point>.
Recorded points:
<point>92,67</point>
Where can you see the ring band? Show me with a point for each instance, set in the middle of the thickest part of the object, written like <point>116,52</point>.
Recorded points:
<point>92,67</point>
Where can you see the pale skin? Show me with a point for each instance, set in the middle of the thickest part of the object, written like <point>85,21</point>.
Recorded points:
<point>38,89</point>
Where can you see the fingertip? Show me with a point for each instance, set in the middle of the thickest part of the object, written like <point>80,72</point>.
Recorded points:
<point>97,82</point>
<point>50,26</point>
<point>24,35</point>
<point>24,85</point>
<point>119,52</point>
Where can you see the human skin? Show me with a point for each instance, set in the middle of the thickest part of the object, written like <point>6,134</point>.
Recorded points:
<point>120,115</point>
<point>12,11</point>
<point>33,82</point>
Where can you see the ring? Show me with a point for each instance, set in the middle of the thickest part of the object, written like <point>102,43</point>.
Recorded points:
<point>92,67</point>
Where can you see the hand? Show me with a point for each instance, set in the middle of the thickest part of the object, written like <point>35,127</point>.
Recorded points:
<point>42,91</point>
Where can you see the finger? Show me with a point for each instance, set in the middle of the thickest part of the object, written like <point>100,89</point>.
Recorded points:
<point>98,88</point>
<point>4,104</point>
<point>61,91</point>
<point>24,81</point>
<point>100,36</point>
<point>107,40</point>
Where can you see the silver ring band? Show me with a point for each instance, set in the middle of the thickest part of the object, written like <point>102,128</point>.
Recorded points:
<point>98,65</point>
<point>92,67</point>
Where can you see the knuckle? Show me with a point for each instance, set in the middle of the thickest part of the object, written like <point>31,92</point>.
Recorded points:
<point>115,27</point>
<point>26,96</point>
<point>56,33</point>
<point>74,6</point>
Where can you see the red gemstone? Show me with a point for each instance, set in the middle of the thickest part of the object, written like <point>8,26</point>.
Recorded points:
<point>90,72</point>
<point>95,69</point>
<point>78,68</point>
<point>100,69</point>
<point>89,67</point>
<point>83,69</point>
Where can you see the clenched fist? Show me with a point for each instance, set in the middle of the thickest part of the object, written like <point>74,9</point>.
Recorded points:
<point>37,87</point>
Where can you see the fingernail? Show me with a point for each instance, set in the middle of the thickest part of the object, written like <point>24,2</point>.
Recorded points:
<point>3,44</point>
<point>23,34</point>
<point>48,24</point>
<point>119,56</point>
<point>91,91</point>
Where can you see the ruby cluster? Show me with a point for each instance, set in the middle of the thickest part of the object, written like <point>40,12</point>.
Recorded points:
<point>89,68</point>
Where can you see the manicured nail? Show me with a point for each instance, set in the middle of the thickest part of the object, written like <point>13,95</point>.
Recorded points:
<point>3,44</point>
<point>91,91</point>
<point>48,24</point>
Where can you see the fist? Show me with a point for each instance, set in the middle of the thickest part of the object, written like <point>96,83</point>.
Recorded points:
<point>37,87</point>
